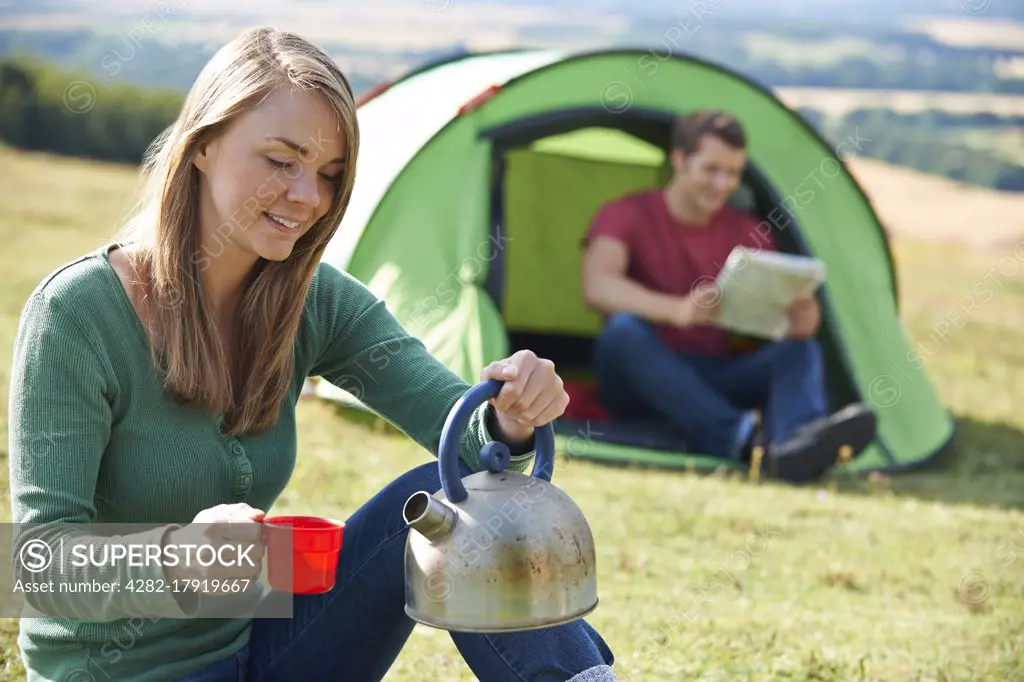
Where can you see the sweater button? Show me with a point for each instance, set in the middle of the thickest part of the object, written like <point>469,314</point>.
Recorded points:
<point>246,480</point>
<point>237,449</point>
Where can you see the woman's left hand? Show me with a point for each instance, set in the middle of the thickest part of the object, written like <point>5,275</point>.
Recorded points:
<point>533,394</point>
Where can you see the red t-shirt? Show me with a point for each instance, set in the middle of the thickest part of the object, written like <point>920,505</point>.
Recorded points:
<point>670,257</point>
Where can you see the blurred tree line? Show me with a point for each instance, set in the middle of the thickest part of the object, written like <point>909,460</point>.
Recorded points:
<point>948,75</point>
<point>935,142</point>
<point>43,108</point>
<point>887,58</point>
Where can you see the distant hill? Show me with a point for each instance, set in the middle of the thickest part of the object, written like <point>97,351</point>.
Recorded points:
<point>847,61</point>
<point>868,11</point>
<point>882,12</point>
<point>792,43</point>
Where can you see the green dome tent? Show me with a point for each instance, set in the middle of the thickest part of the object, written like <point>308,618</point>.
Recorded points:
<point>478,176</point>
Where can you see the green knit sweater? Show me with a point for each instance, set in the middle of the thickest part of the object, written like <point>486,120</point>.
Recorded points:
<point>94,439</point>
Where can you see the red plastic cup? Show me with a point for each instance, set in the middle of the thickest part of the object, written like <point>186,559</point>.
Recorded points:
<point>302,553</point>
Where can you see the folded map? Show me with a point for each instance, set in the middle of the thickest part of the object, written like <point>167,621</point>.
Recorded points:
<point>757,287</point>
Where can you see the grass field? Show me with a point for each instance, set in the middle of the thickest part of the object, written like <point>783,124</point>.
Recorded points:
<point>930,207</point>
<point>915,577</point>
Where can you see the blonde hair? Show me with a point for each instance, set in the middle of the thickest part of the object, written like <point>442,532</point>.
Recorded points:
<point>180,324</point>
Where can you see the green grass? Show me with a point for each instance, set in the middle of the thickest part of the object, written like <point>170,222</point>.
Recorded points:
<point>914,577</point>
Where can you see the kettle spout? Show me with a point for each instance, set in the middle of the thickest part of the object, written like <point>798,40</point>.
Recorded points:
<point>429,515</point>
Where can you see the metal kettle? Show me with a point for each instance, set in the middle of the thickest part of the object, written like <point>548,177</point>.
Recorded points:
<point>498,551</point>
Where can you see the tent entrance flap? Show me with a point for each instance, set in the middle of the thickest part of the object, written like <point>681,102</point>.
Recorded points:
<point>552,190</point>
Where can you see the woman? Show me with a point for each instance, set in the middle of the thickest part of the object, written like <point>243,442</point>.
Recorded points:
<point>155,382</point>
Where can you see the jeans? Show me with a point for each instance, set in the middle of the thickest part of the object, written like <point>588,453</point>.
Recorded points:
<point>356,631</point>
<point>708,399</point>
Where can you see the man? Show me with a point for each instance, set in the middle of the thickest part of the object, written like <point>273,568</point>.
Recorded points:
<point>649,267</point>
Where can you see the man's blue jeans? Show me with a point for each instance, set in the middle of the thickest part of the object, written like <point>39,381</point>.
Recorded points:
<point>708,399</point>
<point>356,631</point>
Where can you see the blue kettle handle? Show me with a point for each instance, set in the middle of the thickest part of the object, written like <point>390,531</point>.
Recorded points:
<point>458,419</point>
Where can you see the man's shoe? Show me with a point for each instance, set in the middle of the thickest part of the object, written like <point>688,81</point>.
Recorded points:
<point>815,447</point>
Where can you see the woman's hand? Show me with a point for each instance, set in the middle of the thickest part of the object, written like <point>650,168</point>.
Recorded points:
<point>533,394</point>
<point>235,533</point>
